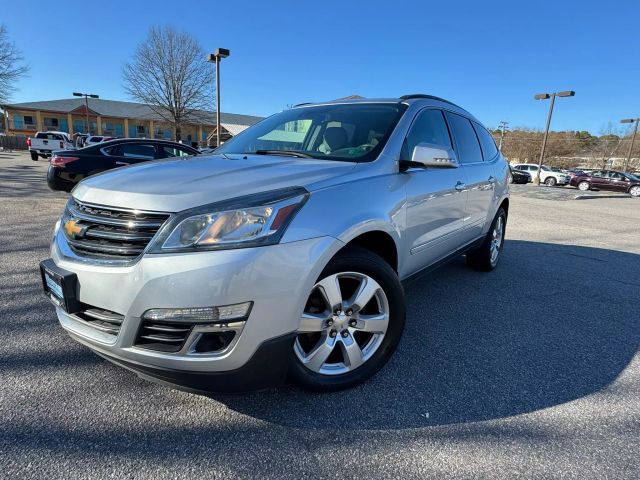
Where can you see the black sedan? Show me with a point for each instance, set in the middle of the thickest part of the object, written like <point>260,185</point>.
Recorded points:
<point>518,176</point>
<point>68,167</point>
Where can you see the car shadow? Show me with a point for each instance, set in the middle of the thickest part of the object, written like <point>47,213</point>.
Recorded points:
<point>553,323</point>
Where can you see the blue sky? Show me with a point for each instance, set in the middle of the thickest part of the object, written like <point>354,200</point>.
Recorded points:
<point>489,57</point>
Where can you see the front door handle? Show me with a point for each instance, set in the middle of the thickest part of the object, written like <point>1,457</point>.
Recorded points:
<point>123,163</point>
<point>492,179</point>
<point>460,186</point>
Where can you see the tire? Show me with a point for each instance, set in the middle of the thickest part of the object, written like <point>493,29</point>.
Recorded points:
<point>320,360</point>
<point>550,182</point>
<point>634,191</point>
<point>584,186</point>
<point>34,156</point>
<point>485,258</point>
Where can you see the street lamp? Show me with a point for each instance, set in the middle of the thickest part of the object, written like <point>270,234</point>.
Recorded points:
<point>86,104</point>
<point>215,58</point>
<point>546,96</point>
<point>633,138</point>
<point>504,126</point>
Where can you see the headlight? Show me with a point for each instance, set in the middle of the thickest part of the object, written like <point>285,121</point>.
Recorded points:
<point>245,222</point>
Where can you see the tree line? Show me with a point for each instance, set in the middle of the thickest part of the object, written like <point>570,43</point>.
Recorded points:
<point>570,148</point>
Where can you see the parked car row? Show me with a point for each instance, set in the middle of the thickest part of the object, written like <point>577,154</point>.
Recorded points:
<point>42,144</point>
<point>549,176</point>
<point>67,168</point>
<point>583,179</point>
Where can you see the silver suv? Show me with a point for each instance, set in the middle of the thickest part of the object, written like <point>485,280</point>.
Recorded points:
<point>281,255</point>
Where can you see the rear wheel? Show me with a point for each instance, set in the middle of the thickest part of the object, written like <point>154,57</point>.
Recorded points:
<point>583,186</point>
<point>635,191</point>
<point>550,182</point>
<point>34,156</point>
<point>351,324</point>
<point>485,258</point>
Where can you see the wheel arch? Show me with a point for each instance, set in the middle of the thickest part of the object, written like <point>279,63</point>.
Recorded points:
<point>379,242</point>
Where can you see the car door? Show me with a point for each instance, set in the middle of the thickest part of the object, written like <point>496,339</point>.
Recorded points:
<point>617,182</point>
<point>597,179</point>
<point>436,197</point>
<point>131,153</point>
<point>480,176</point>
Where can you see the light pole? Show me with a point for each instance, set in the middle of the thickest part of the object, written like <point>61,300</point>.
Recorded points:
<point>545,96</point>
<point>633,138</point>
<point>503,127</point>
<point>215,58</point>
<point>86,104</point>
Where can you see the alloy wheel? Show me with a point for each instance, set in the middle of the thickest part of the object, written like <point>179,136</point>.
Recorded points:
<point>635,191</point>
<point>496,240</point>
<point>583,186</point>
<point>343,324</point>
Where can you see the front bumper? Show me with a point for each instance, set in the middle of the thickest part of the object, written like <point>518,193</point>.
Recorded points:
<point>277,279</point>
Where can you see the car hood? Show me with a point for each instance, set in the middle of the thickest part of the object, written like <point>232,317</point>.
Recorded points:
<point>176,185</point>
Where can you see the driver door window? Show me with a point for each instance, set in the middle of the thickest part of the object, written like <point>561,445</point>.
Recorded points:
<point>428,127</point>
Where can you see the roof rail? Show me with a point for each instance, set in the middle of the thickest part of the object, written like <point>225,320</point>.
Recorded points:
<point>429,97</point>
<point>301,104</point>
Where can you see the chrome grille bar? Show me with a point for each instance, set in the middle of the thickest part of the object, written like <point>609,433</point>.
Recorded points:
<point>110,232</point>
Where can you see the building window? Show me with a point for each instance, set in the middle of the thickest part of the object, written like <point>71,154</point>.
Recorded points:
<point>51,123</point>
<point>29,120</point>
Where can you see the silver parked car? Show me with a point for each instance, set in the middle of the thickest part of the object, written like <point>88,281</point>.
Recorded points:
<point>282,254</point>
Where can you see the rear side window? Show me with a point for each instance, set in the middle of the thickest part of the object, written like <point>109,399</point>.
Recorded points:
<point>489,149</point>
<point>174,152</point>
<point>428,127</point>
<point>133,150</point>
<point>465,137</point>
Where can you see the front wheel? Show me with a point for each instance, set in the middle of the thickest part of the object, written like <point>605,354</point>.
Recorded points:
<point>635,191</point>
<point>34,156</point>
<point>550,182</point>
<point>351,324</point>
<point>583,186</point>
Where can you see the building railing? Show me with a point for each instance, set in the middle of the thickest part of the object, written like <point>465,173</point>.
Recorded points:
<point>32,127</point>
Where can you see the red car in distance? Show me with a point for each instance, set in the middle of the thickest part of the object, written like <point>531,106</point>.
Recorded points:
<point>607,180</point>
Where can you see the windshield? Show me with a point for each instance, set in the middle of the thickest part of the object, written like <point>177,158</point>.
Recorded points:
<point>633,178</point>
<point>353,132</point>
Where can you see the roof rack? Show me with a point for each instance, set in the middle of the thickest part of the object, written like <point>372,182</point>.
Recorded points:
<point>429,97</point>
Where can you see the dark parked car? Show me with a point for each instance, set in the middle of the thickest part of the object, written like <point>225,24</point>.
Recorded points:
<point>518,176</point>
<point>607,180</point>
<point>69,167</point>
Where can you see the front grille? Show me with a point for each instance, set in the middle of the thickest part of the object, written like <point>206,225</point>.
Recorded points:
<point>106,232</point>
<point>162,336</point>
<point>103,320</point>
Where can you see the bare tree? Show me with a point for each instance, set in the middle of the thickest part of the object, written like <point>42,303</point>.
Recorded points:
<point>11,66</point>
<point>607,145</point>
<point>169,72</point>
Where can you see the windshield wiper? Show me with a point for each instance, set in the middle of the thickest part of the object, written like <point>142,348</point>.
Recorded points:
<point>284,153</point>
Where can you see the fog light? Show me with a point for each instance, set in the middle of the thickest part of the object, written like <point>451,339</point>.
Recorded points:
<point>226,313</point>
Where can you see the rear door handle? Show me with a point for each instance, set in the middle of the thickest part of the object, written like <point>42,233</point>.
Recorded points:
<point>460,186</point>
<point>123,163</point>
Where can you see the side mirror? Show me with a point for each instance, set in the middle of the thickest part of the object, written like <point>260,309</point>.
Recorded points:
<point>431,155</point>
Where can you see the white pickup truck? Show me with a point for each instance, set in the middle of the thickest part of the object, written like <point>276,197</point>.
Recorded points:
<point>43,143</point>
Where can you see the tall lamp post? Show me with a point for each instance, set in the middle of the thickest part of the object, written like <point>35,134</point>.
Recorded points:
<point>546,96</point>
<point>504,126</point>
<point>215,57</point>
<point>633,138</point>
<point>86,105</point>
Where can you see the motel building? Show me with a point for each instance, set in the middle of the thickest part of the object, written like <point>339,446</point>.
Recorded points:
<point>116,119</point>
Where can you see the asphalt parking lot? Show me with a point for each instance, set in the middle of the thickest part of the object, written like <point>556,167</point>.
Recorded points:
<point>530,371</point>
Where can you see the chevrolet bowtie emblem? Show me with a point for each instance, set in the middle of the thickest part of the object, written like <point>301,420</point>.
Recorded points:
<point>74,230</point>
